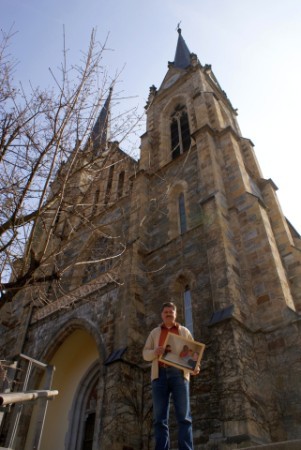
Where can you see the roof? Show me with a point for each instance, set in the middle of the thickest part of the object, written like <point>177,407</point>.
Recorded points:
<point>221,315</point>
<point>115,356</point>
<point>183,55</point>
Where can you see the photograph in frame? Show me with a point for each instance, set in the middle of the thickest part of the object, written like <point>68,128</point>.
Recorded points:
<point>181,352</point>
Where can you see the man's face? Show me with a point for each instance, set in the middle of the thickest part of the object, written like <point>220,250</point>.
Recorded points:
<point>168,316</point>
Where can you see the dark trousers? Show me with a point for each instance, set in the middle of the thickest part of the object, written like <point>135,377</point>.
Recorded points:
<point>171,383</point>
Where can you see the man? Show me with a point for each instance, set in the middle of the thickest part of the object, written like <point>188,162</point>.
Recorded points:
<point>169,381</point>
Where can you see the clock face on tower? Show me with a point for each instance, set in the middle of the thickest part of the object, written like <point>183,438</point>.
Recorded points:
<point>170,81</point>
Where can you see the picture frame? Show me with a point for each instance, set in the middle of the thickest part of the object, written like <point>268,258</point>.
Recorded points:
<point>181,352</point>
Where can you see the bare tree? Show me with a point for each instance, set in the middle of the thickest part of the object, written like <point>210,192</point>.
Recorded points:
<point>46,152</point>
<point>130,406</point>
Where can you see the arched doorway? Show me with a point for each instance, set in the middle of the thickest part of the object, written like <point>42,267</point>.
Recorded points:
<point>73,359</point>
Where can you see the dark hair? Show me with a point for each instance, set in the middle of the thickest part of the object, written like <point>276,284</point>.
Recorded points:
<point>169,305</point>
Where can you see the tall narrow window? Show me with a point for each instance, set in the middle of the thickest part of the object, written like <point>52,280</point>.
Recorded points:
<point>179,132</point>
<point>188,309</point>
<point>109,185</point>
<point>95,202</point>
<point>120,184</point>
<point>182,213</point>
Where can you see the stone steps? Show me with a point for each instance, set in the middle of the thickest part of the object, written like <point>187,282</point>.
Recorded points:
<point>286,445</point>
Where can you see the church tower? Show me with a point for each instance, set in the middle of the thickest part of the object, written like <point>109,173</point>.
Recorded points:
<point>216,241</point>
<point>195,222</point>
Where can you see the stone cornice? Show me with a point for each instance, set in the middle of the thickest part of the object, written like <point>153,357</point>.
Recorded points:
<point>217,133</point>
<point>70,298</point>
<point>211,196</point>
<point>264,182</point>
<point>248,140</point>
<point>139,173</point>
<point>204,129</point>
<point>233,133</point>
<point>200,92</point>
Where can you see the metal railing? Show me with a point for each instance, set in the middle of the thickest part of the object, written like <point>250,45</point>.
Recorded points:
<point>20,398</point>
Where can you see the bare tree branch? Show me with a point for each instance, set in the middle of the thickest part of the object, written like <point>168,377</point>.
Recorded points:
<point>45,155</point>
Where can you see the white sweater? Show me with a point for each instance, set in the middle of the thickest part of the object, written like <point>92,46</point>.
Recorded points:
<point>152,343</point>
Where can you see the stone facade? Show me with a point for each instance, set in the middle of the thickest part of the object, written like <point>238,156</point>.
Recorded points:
<point>227,243</point>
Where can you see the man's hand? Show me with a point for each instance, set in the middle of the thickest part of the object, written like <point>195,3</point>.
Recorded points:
<point>159,351</point>
<point>196,370</point>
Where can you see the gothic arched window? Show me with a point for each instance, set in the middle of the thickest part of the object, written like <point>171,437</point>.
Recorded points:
<point>182,213</point>
<point>180,132</point>
<point>188,309</point>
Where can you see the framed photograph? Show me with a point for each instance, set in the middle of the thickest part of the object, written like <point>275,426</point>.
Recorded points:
<point>181,352</point>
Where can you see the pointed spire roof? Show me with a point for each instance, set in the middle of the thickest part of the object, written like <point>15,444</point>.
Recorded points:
<point>183,55</point>
<point>101,130</point>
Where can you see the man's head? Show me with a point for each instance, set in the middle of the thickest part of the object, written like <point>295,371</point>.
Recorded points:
<point>169,313</point>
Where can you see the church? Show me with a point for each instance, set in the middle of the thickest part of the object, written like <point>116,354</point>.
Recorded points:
<point>194,222</point>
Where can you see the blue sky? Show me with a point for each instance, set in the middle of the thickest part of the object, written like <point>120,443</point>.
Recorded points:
<point>253,46</point>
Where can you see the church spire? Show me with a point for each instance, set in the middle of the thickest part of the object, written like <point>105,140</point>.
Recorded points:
<point>183,55</point>
<point>101,130</point>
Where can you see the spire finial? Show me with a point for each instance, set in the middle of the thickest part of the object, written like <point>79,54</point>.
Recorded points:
<point>178,27</point>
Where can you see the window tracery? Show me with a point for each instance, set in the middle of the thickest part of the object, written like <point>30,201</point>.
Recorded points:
<point>179,132</point>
